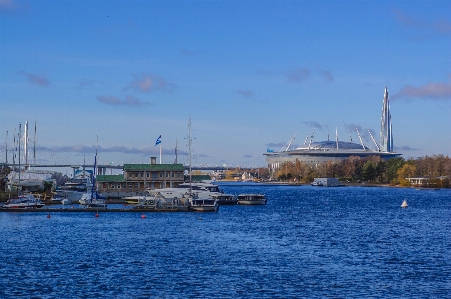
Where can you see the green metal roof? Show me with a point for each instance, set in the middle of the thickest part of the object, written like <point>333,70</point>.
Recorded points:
<point>154,167</point>
<point>110,178</point>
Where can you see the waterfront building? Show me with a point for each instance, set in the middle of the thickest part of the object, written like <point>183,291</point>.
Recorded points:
<point>315,153</point>
<point>136,178</point>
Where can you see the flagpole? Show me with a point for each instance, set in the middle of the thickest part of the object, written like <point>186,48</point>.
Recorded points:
<point>160,153</point>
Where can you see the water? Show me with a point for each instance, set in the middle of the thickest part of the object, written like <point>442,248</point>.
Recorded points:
<point>308,242</point>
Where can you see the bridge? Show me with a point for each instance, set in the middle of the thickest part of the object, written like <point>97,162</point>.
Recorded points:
<point>103,167</point>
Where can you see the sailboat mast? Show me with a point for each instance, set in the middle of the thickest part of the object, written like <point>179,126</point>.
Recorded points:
<point>6,148</point>
<point>175,151</point>
<point>18,185</point>
<point>189,154</point>
<point>34,144</point>
<point>25,143</point>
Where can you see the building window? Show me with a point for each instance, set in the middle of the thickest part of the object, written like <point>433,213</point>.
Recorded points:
<point>119,185</point>
<point>136,185</point>
<point>129,174</point>
<point>112,186</point>
<point>147,174</point>
<point>161,174</point>
<point>167,174</point>
<point>142,174</point>
<point>154,175</point>
<point>178,174</point>
<point>130,186</point>
<point>173,174</point>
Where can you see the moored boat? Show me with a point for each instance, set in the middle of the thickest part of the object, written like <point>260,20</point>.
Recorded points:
<point>23,202</point>
<point>204,205</point>
<point>252,199</point>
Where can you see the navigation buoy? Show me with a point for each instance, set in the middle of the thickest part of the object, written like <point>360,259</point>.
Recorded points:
<point>97,214</point>
<point>143,216</point>
<point>404,204</point>
<point>48,216</point>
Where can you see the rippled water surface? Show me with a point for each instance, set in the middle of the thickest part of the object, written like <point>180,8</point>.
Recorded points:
<point>308,242</point>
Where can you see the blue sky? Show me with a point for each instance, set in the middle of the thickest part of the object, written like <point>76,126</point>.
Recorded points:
<point>249,74</point>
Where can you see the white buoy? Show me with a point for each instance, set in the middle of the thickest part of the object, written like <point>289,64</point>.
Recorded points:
<point>404,204</point>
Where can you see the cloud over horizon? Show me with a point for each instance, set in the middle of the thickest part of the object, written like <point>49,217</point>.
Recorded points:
<point>35,79</point>
<point>436,91</point>
<point>149,83</point>
<point>83,149</point>
<point>130,100</point>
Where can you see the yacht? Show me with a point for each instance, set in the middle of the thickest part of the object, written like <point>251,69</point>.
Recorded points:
<point>23,202</point>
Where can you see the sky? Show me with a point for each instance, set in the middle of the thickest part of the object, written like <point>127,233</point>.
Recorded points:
<point>115,75</point>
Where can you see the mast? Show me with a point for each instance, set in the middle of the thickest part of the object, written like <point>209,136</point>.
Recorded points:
<point>350,135</point>
<point>374,140</point>
<point>25,143</point>
<point>311,139</point>
<point>361,140</point>
<point>189,154</point>
<point>336,136</point>
<point>175,162</point>
<point>34,144</point>
<point>306,138</point>
<point>6,148</point>
<point>18,185</point>
<point>287,146</point>
<point>14,149</point>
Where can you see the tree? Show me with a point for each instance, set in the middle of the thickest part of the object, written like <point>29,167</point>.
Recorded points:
<point>404,172</point>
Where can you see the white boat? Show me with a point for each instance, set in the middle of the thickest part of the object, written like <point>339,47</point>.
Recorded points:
<point>252,199</point>
<point>316,183</point>
<point>204,205</point>
<point>74,189</point>
<point>23,202</point>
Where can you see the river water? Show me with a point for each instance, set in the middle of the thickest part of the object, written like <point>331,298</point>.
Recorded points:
<point>307,242</point>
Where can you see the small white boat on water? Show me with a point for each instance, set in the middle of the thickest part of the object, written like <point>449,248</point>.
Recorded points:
<point>252,199</point>
<point>23,202</point>
<point>404,204</point>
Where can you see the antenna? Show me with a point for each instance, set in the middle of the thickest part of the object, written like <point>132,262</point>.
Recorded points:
<point>350,135</point>
<point>361,141</point>
<point>374,140</point>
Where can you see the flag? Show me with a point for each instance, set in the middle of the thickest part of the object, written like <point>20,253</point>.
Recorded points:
<point>158,141</point>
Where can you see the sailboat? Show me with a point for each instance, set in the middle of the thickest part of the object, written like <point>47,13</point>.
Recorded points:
<point>22,201</point>
<point>196,203</point>
<point>93,199</point>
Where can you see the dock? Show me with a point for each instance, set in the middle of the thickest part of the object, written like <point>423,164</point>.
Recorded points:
<point>95,210</point>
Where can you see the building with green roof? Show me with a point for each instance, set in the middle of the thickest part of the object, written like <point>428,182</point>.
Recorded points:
<point>139,177</point>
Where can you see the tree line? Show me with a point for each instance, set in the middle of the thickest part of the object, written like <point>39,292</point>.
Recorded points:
<point>372,169</point>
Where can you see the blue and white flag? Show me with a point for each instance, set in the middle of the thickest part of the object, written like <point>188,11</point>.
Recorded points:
<point>158,141</point>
